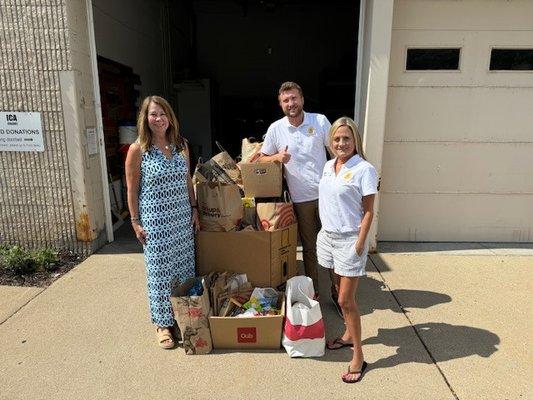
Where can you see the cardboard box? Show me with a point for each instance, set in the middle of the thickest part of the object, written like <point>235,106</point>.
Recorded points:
<point>262,179</point>
<point>267,258</point>
<point>248,332</point>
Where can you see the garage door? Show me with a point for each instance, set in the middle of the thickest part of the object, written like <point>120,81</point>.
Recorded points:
<point>458,151</point>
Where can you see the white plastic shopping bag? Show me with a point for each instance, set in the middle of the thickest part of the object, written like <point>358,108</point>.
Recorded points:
<point>303,332</point>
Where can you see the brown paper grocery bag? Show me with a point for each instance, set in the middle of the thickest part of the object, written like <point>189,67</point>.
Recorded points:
<point>219,206</point>
<point>250,150</point>
<point>192,315</point>
<point>224,161</point>
<point>274,216</point>
<point>220,168</point>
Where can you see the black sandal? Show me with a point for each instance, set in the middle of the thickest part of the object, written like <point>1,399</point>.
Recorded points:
<point>360,372</point>
<point>340,342</point>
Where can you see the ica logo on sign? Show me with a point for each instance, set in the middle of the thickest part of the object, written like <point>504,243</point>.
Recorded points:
<point>11,119</point>
<point>246,335</point>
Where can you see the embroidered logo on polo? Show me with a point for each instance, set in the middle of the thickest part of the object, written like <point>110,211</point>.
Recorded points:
<point>347,175</point>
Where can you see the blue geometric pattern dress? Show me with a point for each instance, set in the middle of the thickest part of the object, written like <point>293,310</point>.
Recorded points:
<point>165,214</point>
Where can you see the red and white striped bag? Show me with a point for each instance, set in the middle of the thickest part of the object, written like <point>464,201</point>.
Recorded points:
<point>303,332</point>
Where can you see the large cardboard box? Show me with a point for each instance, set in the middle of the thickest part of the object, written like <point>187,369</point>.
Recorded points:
<point>248,332</point>
<point>262,179</point>
<point>267,258</point>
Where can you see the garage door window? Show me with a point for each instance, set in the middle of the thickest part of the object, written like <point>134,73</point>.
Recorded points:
<point>511,60</point>
<point>432,59</point>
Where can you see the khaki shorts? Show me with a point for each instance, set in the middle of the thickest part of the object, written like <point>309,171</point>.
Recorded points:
<point>337,251</point>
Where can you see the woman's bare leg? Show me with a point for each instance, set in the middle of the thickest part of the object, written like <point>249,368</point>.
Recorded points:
<point>352,319</point>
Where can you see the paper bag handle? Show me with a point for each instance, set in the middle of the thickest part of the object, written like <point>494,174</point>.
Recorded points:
<point>219,146</point>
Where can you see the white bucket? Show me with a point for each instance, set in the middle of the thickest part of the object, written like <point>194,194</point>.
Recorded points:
<point>127,134</point>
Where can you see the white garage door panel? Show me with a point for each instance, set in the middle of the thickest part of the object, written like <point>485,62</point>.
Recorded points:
<point>457,168</point>
<point>474,59</point>
<point>460,114</point>
<point>458,150</point>
<point>426,217</point>
<point>467,14</point>
<point>401,40</point>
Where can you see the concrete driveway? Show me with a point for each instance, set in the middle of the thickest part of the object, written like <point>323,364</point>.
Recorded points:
<point>440,321</point>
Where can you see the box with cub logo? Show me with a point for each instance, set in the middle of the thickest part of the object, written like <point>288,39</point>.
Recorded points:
<point>248,332</point>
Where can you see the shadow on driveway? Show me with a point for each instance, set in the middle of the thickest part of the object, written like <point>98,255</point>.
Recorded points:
<point>411,298</point>
<point>448,342</point>
<point>125,242</point>
<point>441,340</point>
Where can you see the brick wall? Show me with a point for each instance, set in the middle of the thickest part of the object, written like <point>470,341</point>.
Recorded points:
<point>42,193</point>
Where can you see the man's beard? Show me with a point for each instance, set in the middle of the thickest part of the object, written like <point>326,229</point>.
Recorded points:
<point>299,112</point>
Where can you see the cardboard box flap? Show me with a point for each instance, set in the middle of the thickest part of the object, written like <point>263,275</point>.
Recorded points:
<point>261,255</point>
<point>262,179</point>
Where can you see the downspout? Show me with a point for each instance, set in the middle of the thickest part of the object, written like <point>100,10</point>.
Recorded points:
<point>99,122</point>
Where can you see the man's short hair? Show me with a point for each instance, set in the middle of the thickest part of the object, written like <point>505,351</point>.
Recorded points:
<point>286,86</point>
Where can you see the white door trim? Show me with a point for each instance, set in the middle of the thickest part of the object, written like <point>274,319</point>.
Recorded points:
<point>99,122</point>
<point>375,29</point>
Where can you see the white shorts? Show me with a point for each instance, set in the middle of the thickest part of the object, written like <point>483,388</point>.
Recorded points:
<point>337,251</point>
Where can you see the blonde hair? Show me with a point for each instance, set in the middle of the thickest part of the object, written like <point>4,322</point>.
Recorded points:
<point>350,124</point>
<point>144,132</point>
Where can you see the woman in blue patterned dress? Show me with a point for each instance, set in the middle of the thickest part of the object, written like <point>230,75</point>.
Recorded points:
<point>162,207</point>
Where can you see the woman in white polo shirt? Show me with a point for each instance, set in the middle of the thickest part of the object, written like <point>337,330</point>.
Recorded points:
<point>346,204</point>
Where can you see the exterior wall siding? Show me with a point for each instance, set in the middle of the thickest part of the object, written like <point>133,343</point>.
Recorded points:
<point>457,162</point>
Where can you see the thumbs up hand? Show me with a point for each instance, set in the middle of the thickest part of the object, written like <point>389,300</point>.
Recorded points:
<point>284,156</point>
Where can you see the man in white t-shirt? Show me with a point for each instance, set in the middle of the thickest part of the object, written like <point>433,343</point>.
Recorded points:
<point>299,141</point>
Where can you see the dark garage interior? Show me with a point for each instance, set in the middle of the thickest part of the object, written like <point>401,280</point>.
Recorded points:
<point>248,48</point>
<point>221,63</point>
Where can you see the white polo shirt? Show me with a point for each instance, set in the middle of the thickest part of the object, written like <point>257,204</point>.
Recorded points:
<point>307,144</point>
<point>340,201</point>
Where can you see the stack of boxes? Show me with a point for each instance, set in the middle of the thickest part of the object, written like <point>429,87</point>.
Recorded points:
<point>267,258</point>
<point>119,103</point>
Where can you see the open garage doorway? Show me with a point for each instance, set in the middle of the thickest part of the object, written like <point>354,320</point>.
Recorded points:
<point>242,50</point>
<point>220,63</point>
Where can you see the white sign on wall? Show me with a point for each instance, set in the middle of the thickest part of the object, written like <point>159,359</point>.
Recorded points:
<point>92,142</point>
<point>21,131</point>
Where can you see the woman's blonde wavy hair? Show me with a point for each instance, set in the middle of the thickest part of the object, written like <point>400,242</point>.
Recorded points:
<point>144,132</point>
<point>349,123</point>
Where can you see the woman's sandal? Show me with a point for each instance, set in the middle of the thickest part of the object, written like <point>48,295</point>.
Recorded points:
<point>360,372</point>
<point>164,338</point>
<point>338,344</point>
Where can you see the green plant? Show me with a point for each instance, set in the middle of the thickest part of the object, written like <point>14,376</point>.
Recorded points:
<point>3,248</point>
<point>19,261</point>
<point>46,259</point>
